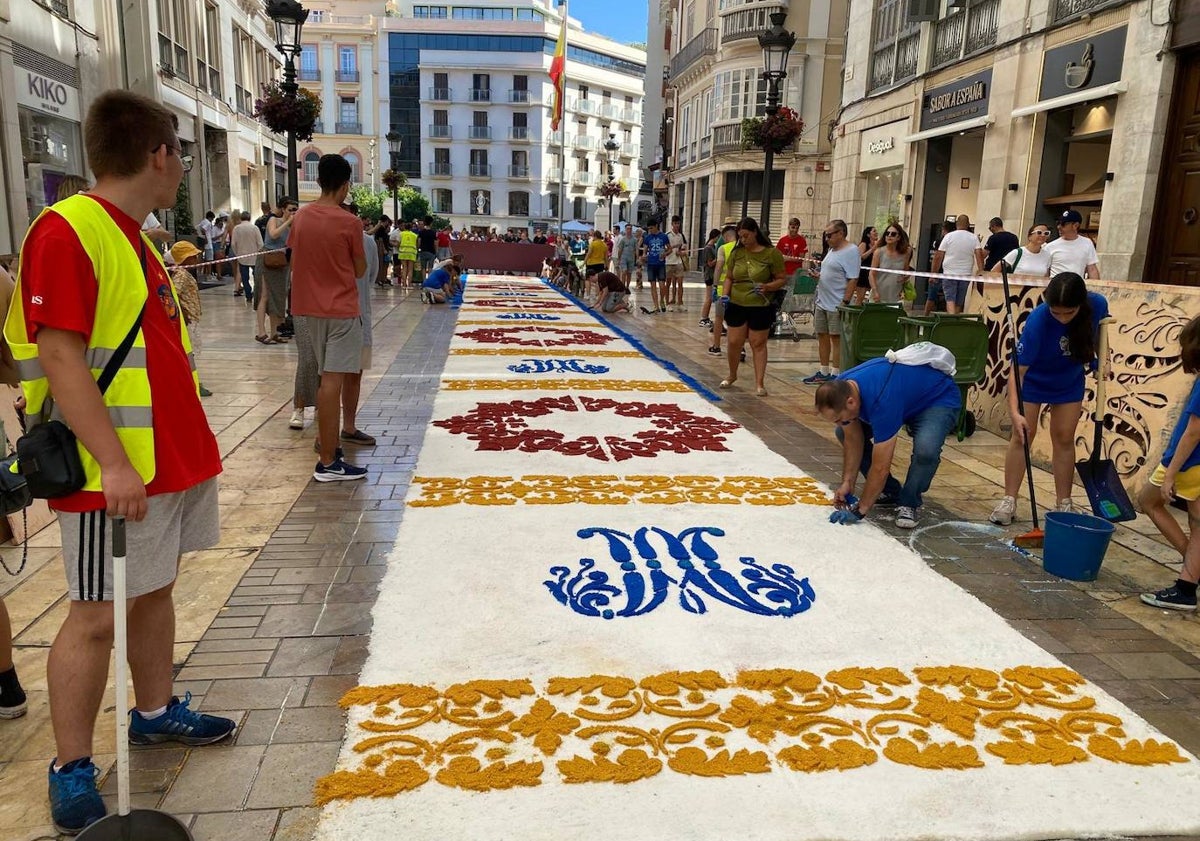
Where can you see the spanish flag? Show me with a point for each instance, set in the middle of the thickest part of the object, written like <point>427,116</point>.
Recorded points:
<point>558,70</point>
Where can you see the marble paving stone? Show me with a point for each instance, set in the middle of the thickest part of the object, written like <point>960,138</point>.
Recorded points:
<point>289,773</point>
<point>257,694</point>
<point>218,779</point>
<point>249,825</point>
<point>302,725</point>
<point>304,656</point>
<point>1146,665</point>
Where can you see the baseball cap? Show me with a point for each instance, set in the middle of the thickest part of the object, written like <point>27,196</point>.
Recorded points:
<point>1070,216</point>
<point>182,250</point>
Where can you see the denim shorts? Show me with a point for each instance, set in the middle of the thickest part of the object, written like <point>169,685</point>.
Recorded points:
<point>656,273</point>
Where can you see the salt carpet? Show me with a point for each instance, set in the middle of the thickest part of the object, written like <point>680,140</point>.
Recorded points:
<point>612,611</point>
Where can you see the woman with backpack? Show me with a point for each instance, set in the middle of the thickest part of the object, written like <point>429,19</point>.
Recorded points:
<point>1031,258</point>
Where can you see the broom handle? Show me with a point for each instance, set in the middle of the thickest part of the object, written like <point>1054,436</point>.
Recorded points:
<point>1100,410</point>
<point>121,645</point>
<point>1016,370</point>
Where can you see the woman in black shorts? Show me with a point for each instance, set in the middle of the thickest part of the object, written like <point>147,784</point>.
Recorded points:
<point>753,272</point>
<point>867,246</point>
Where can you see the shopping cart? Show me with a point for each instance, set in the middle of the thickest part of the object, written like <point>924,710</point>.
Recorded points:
<point>966,336</point>
<point>795,317</point>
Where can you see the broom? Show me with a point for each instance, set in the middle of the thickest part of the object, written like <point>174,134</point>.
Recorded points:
<point>1034,538</point>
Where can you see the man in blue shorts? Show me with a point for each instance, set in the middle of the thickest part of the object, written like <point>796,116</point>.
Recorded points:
<point>654,258</point>
<point>870,403</point>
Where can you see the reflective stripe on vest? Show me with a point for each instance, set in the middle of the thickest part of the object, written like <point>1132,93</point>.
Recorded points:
<point>121,295</point>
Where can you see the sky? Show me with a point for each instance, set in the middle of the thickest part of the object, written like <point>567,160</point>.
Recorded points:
<point>621,20</point>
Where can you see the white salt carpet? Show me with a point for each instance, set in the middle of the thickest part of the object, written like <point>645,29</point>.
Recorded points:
<point>613,612</point>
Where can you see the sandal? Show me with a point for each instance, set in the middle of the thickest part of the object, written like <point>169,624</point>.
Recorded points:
<point>279,339</point>
<point>263,339</point>
<point>726,383</point>
<point>761,392</point>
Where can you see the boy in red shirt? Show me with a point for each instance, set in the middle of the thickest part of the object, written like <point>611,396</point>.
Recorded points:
<point>793,247</point>
<point>171,512</point>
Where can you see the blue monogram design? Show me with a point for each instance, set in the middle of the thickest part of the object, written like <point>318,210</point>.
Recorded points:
<point>528,316</point>
<point>556,366</point>
<point>644,585</point>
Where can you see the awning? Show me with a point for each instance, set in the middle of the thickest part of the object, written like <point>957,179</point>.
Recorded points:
<point>953,128</point>
<point>1071,99</point>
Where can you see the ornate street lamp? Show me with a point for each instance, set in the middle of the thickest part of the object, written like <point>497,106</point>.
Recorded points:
<point>610,147</point>
<point>776,44</point>
<point>289,17</point>
<point>393,140</point>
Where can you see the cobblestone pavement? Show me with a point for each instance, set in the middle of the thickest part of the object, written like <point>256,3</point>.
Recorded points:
<point>274,622</point>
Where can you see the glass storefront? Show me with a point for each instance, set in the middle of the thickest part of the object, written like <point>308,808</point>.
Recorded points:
<point>51,149</point>
<point>884,196</point>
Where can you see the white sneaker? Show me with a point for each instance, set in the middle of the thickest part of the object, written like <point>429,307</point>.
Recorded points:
<point>297,419</point>
<point>906,518</point>
<point>1004,512</point>
<point>1066,505</point>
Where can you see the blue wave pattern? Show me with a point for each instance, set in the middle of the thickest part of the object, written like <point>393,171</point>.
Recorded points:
<point>557,366</point>
<point>528,316</point>
<point>643,585</point>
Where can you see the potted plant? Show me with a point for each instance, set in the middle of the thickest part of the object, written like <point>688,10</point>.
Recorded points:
<point>393,179</point>
<point>612,189</point>
<point>282,113</point>
<point>778,132</point>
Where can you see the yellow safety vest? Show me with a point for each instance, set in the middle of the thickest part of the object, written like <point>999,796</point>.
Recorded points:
<point>407,246</point>
<point>122,293</point>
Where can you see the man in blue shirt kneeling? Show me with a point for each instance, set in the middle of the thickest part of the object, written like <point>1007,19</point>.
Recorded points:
<point>870,403</point>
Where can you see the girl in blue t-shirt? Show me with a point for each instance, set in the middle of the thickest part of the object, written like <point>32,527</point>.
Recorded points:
<point>1178,477</point>
<point>1057,343</point>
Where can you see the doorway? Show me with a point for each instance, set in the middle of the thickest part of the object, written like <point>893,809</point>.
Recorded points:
<point>1174,253</point>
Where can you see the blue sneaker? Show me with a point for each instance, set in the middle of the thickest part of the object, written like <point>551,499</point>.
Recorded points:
<point>817,379</point>
<point>339,471</point>
<point>74,801</point>
<point>179,724</point>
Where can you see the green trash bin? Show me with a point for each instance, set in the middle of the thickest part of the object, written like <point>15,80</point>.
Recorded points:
<point>963,334</point>
<point>868,332</point>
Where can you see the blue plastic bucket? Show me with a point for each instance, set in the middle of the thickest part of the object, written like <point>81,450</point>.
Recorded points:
<point>1075,545</point>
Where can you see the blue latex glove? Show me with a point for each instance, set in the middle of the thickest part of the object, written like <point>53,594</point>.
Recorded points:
<point>845,516</point>
<point>723,300</point>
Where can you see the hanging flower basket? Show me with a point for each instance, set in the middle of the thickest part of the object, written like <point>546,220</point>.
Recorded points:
<point>778,133</point>
<point>612,189</point>
<point>282,113</point>
<point>393,180</point>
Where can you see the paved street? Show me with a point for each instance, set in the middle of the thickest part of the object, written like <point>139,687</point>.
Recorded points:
<point>273,623</point>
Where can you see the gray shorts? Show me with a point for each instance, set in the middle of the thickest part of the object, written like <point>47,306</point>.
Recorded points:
<point>956,291</point>
<point>175,523</point>
<point>613,300</point>
<point>337,343</point>
<point>825,321</point>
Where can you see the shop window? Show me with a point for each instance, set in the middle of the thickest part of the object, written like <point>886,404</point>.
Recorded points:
<point>1075,161</point>
<point>50,151</point>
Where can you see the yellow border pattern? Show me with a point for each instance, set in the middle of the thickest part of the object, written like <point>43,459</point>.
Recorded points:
<point>486,735</point>
<point>618,490</point>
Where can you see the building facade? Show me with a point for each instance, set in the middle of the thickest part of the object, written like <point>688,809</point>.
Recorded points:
<point>339,63</point>
<point>1023,110</point>
<point>50,70</point>
<point>470,95</point>
<point>715,78</point>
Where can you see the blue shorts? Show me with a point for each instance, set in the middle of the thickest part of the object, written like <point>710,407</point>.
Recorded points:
<point>656,273</point>
<point>426,259</point>
<point>956,291</point>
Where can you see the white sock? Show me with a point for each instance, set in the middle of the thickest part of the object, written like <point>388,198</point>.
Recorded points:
<point>833,372</point>
<point>824,369</point>
<point>153,714</point>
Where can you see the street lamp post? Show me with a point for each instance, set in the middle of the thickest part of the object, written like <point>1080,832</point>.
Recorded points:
<point>776,44</point>
<point>610,147</point>
<point>393,139</point>
<point>289,17</point>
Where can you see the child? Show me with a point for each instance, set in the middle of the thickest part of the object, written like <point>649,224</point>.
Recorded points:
<point>185,254</point>
<point>1179,476</point>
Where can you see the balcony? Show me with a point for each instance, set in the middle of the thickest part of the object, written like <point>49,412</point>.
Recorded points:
<point>347,128</point>
<point>587,144</point>
<point>441,94</point>
<point>629,150</point>
<point>965,32</point>
<point>610,112</point>
<point>307,74</point>
<point>481,170</point>
<point>518,133</point>
<point>518,95</point>
<point>518,171</point>
<point>244,101</point>
<point>308,186</point>
<point>727,138</point>
<point>632,115</point>
<point>440,132</point>
<point>584,179</point>
<point>481,94</point>
<point>479,132</point>
<point>349,76</point>
<point>705,146</point>
<point>1062,10</point>
<point>554,175</point>
<point>318,127</point>
<point>702,46</point>
<point>583,106</point>
<point>748,23</point>
<point>440,169</point>
<point>893,62</point>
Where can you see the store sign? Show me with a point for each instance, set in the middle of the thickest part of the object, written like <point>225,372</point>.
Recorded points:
<point>965,99</point>
<point>1094,62</point>
<point>883,147</point>
<point>47,95</point>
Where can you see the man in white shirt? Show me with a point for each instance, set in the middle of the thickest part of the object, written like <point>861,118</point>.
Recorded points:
<point>957,255</point>
<point>676,251</point>
<point>1072,252</point>
<point>247,242</point>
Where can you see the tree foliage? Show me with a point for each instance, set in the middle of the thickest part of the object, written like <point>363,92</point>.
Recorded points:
<point>375,203</point>
<point>184,226</point>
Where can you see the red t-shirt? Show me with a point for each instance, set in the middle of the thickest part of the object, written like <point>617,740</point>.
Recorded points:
<point>443,239</point>
<point>56,271</point>
<point>793,249</point>
<point>325,240</point>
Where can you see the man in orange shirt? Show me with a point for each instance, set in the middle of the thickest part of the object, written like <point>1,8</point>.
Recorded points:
<point>327,257</point>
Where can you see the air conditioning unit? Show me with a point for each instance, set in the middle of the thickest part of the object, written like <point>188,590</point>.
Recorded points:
<point>919,10</point>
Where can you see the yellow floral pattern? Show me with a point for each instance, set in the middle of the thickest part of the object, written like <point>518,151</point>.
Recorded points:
<point>565,385</point>
<point>486,735</point>
<point>618,490</point>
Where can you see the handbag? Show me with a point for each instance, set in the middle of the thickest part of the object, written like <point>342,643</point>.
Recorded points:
<point>48,455</point>
<point>275,259</point>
